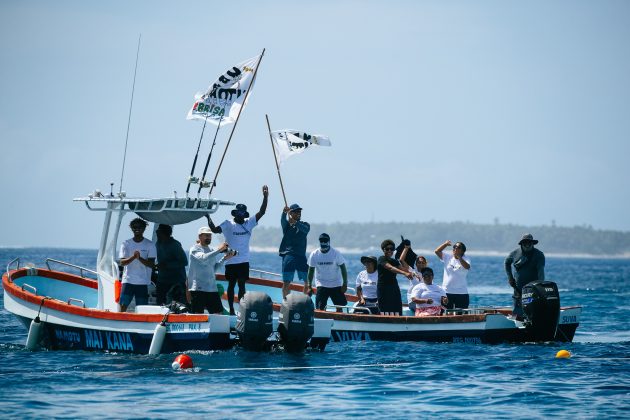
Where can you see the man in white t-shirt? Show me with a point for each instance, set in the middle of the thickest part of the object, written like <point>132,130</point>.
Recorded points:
<point>328,267</point>
<point>237,234</point>
<point>137,255</point>
<point>456,267</point>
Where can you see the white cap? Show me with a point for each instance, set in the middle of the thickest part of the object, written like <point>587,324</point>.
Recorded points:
<point>204,230</point>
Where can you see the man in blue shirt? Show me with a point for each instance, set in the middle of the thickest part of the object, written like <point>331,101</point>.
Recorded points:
<point>293,246</point>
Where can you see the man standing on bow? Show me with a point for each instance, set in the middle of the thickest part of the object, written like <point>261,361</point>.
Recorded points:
<point>328,267</point>
<point>237,234</point>
<point>293,246</point>
<point>529,265</point>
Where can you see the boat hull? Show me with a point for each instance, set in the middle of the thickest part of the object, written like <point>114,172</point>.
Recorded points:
<point>52,297</point>
<point>487,326</point>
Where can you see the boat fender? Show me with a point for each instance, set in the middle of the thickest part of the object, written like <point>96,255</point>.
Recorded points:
<point>35,329</point>
<point>183,361</point>
<point>34,333</point>
<point>117,290</point>
<point>158,337</point>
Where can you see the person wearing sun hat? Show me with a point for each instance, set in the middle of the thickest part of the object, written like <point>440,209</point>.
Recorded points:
<point>293,246</point>
<point>237,234</point>
<point>366,284</point>
<point>529,265</point>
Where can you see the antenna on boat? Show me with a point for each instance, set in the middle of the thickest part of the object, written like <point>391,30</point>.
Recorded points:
<point>203,183</point>
<point>133,88</point>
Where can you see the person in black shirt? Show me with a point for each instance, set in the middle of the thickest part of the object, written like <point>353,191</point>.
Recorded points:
<point>529,265</point>
<point>387,289</point>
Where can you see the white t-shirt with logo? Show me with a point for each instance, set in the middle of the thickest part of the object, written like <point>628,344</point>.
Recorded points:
<point>237,237</point>
<point>367,282</point>
<point>454,280</point>
<point>327,271</point>
<point>135,272</point>
<point>428,291</point>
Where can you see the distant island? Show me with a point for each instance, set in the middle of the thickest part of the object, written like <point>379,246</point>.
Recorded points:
<point>479,238</point>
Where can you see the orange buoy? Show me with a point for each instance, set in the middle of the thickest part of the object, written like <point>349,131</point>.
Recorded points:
<point>563,354</point>
<point>183,361</point>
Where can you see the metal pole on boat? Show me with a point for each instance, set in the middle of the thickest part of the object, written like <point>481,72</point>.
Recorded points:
<point>276,159</point>
<point>192,170</point>
<point>202,182</point>
<point>214,181</point>
<point>133,88</point>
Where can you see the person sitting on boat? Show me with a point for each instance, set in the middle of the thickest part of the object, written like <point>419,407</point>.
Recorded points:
<point>293,246</point>
<point>529,265</point>
<point>237,233</point>
<point>421,263</point>
<point>328,267</point>
<point>456,268</point>
<point>387,289</point>
<point>202,282</point>
<point>366,285</point>
<point>171,264</point>
<point>429,298</point>
<point>137,256</point>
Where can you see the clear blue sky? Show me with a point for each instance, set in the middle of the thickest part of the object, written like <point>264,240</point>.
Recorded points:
<point>437,110</point>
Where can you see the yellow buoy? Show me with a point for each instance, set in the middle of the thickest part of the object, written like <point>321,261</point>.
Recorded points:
<point>563,354</point>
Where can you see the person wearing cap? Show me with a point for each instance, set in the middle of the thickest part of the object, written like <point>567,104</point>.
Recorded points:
<point>293,246</point>
<point>171,267</point>
<point>328,267</point>
<point>387,288</point>
<point>137,256</point>
<point>456,268</point>
<point>428,297</point>
<point>366,285</point>
<point>202,282</point>
<point>238,233</point>
<point>529,265</point>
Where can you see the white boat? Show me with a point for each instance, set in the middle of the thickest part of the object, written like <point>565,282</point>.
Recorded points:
<point>476,325</point>
<point>65,311</point>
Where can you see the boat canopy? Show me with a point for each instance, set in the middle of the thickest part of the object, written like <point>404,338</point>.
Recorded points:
<point>168,211</point>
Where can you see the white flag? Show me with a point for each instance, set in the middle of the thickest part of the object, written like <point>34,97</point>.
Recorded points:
<point>224,98</point>
<point>292,142</point>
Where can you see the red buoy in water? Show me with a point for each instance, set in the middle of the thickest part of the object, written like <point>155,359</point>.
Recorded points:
<point>183,361</point>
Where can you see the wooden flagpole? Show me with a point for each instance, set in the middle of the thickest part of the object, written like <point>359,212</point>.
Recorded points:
<point>273,148</point>
<point>214,181</point>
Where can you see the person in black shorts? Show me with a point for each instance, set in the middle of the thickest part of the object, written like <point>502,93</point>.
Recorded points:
<point>237,233</point>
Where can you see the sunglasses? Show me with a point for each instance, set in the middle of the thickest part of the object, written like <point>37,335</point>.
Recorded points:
<point>457,246</point>
<point>388,248</point>
<point>427,275</point>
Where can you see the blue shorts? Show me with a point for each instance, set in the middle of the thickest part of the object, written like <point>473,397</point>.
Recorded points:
<point>291,264</point>
<point>129,291</point>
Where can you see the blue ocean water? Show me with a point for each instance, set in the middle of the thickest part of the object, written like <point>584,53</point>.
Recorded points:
<point>397,380</point>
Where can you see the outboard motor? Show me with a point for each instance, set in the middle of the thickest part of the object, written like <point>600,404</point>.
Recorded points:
<point>296,322</point>
<point>541,307</point>
<point>254,323</point>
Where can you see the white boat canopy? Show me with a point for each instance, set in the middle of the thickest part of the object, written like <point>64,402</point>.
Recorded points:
<point>168,211</point>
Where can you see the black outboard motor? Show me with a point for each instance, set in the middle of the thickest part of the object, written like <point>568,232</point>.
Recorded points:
<point>541,306</point>
<point>254,324</point>
<point>296,322</point>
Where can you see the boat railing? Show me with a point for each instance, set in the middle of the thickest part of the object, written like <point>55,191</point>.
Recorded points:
<point>13,261</point>
<point>67,264</point>
<point>473,310</point>
<point>70,300</point>
<point>261,272</point>
<point>347,308</point>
